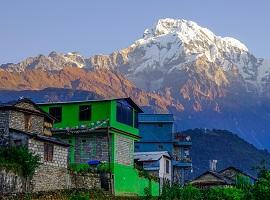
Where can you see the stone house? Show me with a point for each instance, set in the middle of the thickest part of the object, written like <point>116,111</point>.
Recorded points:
<point>23,123</point>
<point>224,178</point>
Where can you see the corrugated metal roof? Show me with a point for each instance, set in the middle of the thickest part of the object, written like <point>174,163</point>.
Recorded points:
<point>150,156</point>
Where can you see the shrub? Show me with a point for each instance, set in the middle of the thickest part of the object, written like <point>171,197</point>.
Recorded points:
<point>19,159</point>
<point>182,193</point>
<point>220,193</point>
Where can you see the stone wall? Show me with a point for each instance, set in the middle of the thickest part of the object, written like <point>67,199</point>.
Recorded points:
<point>11,182</point>
<point>4,130</point>
<point>47,178</point>
<point>84,181</point>
<point>124,150</point>
<point>60,153</point>
<point>93,146</point>
<point>17,121</point>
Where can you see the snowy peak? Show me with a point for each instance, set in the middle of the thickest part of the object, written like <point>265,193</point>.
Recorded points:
<point>189,31</point>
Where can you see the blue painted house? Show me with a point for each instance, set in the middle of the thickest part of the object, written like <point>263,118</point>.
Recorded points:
<point>157,134</point>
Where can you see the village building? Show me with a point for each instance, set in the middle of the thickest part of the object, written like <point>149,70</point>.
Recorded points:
<point>103,131</point>
<point>157,134</point>
<point>23,123</point>
<point>156,163</point>
<point>224,178</point>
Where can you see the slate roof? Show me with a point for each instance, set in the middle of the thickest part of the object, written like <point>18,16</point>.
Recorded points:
<point>41,137</point>
<point>150,156</point>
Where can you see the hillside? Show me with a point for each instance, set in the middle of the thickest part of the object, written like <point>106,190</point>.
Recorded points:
<point>226,147</point>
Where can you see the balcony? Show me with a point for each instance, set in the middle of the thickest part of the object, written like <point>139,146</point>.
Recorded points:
<point>182,140</point>
<point>182,162</point>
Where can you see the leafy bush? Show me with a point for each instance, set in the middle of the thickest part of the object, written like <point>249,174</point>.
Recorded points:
<point>182,193</point>
<point>220,193</point>
<point>19,159</point>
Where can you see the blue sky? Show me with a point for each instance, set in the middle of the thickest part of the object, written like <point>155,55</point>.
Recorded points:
<point>31,27</point>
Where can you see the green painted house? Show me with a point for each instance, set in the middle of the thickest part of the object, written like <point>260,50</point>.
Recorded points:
<point>103,130</point>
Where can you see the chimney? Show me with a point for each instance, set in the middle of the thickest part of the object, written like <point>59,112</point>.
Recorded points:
<point>213,165</point>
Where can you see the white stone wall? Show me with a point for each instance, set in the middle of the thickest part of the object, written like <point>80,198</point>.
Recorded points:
<point>60,153</point>
<point>124,150</point>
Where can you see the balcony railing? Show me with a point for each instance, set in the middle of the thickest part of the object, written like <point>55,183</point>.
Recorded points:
<point>182,140</point>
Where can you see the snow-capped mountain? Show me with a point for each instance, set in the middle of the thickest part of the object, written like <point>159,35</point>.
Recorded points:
<point>207,81</point>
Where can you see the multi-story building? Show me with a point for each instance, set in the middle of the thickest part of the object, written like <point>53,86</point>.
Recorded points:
<point>103,131</point>
<point>157,134</point>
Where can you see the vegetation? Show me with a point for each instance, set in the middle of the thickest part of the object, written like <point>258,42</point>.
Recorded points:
<point>228,148</point>
<point>243,190</point>
<point>85,168</point>
<point>19,160</point>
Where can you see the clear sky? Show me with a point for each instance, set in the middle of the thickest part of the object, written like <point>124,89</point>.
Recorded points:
<point>32,27</point>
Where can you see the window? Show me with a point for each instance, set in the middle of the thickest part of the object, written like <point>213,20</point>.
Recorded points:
<point>48,152</point>
<point>85,113</point>
<point>137,146</point>
<point>136,120</point>
<point>124,113</point>
<point>56,112</point>
<point>160,125</point>
<point>27,122</point>
<point>167,166</point>
<point>160,146</point>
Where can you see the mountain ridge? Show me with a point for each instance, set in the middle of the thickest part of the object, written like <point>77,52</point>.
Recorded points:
<point>177,66</point>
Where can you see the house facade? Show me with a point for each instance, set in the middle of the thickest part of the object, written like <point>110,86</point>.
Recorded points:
<point>157,163</point>
<point>23,123</point>
<point>224,178</point>
<point>157,134</point>
<point>105,131</point>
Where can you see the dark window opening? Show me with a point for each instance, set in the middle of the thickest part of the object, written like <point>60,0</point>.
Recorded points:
<point>167,167</point>
<point>85,113</point>
<point>83,140</point>
<point>137,146</point>
<point>56,112</point>
<point>124,113</point>
<point>160,125</point>
<point>48,152</point>
<point>17,142</point>
<point>160,146</point>
<point>27,122</point>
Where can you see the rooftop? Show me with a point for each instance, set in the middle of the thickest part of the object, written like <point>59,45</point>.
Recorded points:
<point>150,156</point>
<point>150,118</point>
<point>128,99</point>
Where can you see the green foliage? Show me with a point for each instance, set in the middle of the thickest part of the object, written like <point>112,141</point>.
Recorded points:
<point>261,189</point>
<point>104,167</point>
<point>19,159</point>
<point>147,192</point>
<point>221,193</point>
<point>243,183</point>
<point>182,193</point>
<point>85,168</point>
<point>79,168</point>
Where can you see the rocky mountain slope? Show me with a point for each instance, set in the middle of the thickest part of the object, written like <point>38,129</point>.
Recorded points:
<point>177,66</point>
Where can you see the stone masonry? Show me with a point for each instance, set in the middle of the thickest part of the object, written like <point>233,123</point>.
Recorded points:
<point>4,129</point>
<point>16,121</point>
<point>50,175</point>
